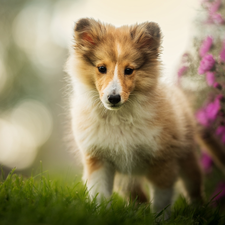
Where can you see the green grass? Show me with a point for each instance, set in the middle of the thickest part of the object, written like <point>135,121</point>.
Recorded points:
<point>43,200</point>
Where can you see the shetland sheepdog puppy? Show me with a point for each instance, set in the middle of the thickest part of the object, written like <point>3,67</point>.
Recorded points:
<point>124,119</point>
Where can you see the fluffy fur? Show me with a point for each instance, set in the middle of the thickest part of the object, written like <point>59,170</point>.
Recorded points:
<point>150,133</point>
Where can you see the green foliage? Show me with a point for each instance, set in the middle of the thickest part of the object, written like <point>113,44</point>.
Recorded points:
<point>42,200</point>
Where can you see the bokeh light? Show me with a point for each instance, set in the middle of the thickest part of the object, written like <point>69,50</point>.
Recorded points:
<point>22,131</point>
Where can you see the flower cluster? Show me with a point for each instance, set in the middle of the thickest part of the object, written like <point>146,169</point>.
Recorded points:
<point>207,63</point>
<point>209,113</point>
<point>210,78</point>
<point>214,15</point>
<point>220,131</point>
<point>206,45</point>
<point>219,193</point>
<point>208,67</point>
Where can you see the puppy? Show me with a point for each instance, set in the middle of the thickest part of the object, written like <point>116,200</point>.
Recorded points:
<point>124,119</point>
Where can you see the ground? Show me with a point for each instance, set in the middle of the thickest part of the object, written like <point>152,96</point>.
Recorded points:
<point>47,199</point>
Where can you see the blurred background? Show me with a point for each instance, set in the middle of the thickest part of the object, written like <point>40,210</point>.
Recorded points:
<point>35,36</point>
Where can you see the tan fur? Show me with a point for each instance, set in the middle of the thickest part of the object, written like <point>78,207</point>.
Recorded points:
<point>152,132</point>
<point>92,164</point>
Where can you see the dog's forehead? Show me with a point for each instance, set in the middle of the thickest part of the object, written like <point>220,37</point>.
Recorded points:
<point>117,46</point>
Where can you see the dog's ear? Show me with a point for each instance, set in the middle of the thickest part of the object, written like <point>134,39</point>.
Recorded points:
<point>88,32</point>
<point>146,35</point>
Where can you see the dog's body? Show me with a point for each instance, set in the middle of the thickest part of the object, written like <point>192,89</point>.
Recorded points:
<point>124,119</point>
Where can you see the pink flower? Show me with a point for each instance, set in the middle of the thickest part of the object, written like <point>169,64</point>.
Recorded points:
<point>202,118</point>
<point>206,45</point>
<point>219,193</point>
<point>210,78</point>
<point>214,6</point>
<point>220,97</point>
<point>214,16</point>
<point>220,130</point>
<point>206,162</point>
<point>223,138</point>
<point>222,54</point>
<point>207,63</point>
<point>209,113</point>
<point>212,109</point>
<point>217,85</point>
<point>182,70</point>
<point>217,18</point>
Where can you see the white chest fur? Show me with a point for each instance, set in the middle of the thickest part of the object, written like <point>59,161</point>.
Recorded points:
<point>123,137</point>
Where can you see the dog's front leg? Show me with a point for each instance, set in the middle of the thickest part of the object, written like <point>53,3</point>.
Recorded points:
<point>99,177</point>
<point>162,175</point>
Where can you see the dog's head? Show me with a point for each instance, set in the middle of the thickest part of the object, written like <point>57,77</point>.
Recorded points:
<point>117,61</point>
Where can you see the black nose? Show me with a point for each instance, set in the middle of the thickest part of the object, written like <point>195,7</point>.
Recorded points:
<point>114,99</point>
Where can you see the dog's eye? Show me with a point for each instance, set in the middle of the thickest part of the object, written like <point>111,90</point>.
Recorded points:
<point>102,69</point>
<point>128,71</point>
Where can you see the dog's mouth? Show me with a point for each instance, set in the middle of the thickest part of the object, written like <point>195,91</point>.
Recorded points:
<point>113,106</point>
